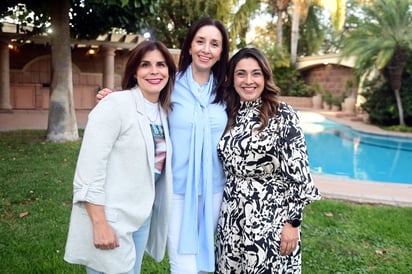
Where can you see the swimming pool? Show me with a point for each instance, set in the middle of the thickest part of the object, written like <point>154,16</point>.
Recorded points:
<point>336,149</point>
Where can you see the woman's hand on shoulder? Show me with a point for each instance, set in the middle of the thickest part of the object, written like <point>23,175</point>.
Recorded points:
<point>102,93</point>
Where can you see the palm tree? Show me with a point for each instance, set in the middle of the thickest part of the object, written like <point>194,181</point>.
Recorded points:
<point>299,8</point>
<point>300,12</point>
<point>280,7</point>
<point>382,41</point>
<point>239,22</point>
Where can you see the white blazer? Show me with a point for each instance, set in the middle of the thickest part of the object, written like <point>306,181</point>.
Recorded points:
<point>115,168</point>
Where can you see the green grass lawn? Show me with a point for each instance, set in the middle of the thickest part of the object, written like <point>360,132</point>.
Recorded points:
<point>35,203</point>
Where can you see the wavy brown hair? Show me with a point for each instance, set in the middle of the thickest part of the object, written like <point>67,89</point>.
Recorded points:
<point>136,55</point>
<point>270,100</point>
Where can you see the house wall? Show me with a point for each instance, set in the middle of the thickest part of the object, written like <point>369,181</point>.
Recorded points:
<point>30,77</point>
<point>298,102</point>
<point>331,77</point>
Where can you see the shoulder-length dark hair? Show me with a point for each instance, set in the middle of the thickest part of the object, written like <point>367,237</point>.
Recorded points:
<point>270,101</point>
<point>135,58</point>
<point>218,69</point>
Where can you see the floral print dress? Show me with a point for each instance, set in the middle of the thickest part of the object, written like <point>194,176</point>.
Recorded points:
<point>268,182</point>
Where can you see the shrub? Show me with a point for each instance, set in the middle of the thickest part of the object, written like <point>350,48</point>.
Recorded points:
<point>381,103</point>
<point>290,83</point>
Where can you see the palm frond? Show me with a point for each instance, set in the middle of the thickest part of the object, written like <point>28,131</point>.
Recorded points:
<point>387,25</point>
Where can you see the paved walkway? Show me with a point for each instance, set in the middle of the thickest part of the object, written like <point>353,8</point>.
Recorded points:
<point>33,119</point>
<point>331,187</point>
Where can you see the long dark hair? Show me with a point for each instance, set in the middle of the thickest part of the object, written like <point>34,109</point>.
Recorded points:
<point>218,69</point>
<point>270,101</point>
<point>136,55</point>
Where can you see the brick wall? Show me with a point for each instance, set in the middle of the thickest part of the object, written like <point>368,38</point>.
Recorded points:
<point>30,76</point>
<point>331,78</point>
<point>298,102</point>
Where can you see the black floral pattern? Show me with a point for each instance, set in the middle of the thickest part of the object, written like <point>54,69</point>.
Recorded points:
<point>268,182</point>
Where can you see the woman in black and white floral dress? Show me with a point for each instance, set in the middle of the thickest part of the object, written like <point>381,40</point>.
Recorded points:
<point>264,156</point>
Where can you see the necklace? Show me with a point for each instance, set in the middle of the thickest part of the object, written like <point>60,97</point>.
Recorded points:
<point>153,120</point>
<point>153,113</point>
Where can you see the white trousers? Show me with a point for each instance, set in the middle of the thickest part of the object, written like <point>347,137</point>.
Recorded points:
<point>184,263</point>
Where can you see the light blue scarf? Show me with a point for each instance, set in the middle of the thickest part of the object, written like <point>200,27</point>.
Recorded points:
<point>197,236</point>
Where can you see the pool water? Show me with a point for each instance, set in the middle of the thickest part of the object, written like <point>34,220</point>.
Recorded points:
<point>336,149</point>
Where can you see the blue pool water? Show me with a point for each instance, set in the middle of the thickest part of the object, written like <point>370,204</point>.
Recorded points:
<point>336,149</point>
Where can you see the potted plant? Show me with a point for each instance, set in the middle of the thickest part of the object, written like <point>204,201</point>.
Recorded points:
<point>350,101</point>
<point>317,97</point>
<point>336,104</point>
<point>327,100</point>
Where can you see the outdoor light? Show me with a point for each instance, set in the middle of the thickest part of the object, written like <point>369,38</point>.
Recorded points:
<point>13,48</point>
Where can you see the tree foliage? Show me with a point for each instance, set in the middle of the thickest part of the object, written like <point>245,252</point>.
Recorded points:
<point>175,17</point>
<point>88,18</point>
<point>132,17</point>
<point>311,33</point>
<point>239,22</point>
<point>380,103</point>
<point>382,41</point>
<point>166,20</point>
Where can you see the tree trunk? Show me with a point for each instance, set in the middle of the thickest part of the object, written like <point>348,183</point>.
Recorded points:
<point>279,31</point>
<point>297,6</point>
<point>395,68</point>
<point>400,108</point>
<point>280,6</point>
<point>62,125</point>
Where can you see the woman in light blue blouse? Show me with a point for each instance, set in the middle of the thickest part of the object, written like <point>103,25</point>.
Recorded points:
<point>196,124</point>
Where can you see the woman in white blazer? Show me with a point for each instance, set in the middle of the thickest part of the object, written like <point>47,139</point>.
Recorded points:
<point>122,184</point>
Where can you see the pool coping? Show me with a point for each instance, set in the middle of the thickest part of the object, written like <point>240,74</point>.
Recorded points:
<point>361,191</point>
<point>357,122</point>
<point>365,192</point>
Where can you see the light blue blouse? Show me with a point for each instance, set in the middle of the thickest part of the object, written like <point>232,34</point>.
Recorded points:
<point>196,126</point>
